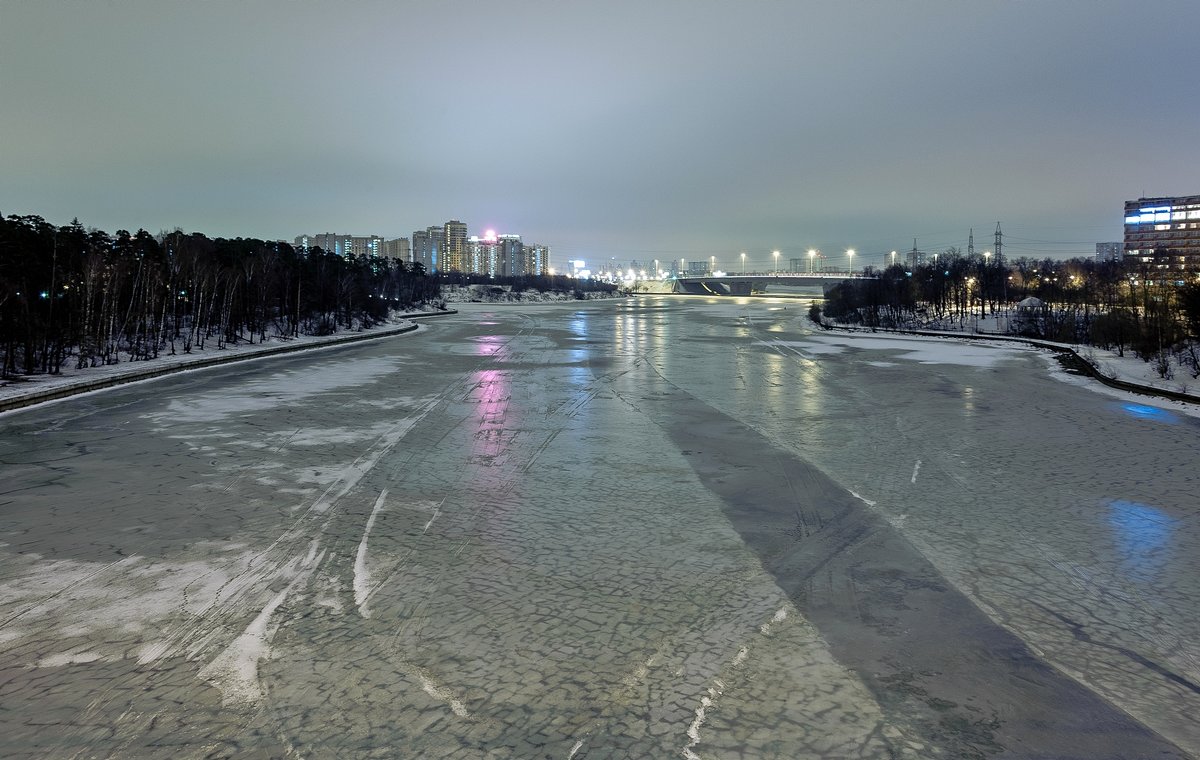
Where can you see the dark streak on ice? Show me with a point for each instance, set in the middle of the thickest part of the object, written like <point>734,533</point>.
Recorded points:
<point>933,660</point>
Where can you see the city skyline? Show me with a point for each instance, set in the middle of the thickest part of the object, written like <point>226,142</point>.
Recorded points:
<point>609,132</point>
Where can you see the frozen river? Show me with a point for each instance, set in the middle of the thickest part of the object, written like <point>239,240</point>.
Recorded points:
<point>645,529</point>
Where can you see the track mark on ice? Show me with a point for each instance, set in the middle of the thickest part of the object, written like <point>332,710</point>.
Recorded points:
<point>779,616</point>
<point>693,732</point>
<point>362,575</point>
<point>916,469</point>
<point>863,499</point>
<point>442,694</point>
<point>235,671</point>
<point>436,511</point>
<point>350,475</point>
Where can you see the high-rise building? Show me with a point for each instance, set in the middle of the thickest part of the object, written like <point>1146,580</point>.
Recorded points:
<point>1164,231</point>
<point>342,245</point>
<point>512,255</point>
<point>537,259</point>
<point>484,255</point>
<point>427,246</point>
<point>1110,251</point>
<point>420,248</point>
<point>454,246</point>
<point>437,240</point>
<point>398,249</point>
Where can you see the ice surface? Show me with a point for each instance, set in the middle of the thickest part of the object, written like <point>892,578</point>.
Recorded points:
<point>212,563</point>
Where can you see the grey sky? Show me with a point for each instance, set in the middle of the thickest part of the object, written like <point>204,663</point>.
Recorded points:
<point>632,130</point>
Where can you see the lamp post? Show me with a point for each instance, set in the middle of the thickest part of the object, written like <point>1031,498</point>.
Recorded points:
<point>850,260</point>
<point>811,253</point>
<point>743,263</point>
<point>983,279</point>
<point>776,255</point>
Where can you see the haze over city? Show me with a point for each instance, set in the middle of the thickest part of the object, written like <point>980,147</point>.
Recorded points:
<point>623,130</point>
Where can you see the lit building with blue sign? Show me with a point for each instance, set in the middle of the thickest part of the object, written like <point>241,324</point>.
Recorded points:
<point>1164,231</point>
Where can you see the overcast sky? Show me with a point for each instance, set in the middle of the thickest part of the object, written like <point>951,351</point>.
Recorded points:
<point>608,129</point>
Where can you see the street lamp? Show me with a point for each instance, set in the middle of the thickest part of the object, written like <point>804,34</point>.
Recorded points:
<point>850,260</point>
<point>776,254</point>
<point>811,253</point>
<point>743,263</point>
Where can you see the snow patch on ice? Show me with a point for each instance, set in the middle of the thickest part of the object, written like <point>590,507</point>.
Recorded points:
<point>69,658</point>
<point>274,390</point>
<point>924,351</point>
<point>335,436</point>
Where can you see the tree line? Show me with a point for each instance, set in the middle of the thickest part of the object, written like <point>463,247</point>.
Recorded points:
<point>1139,306</point>
<point>543,283</point>
<point>70,294</point>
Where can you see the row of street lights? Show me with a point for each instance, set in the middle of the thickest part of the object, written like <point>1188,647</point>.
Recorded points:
<point>812,254</point>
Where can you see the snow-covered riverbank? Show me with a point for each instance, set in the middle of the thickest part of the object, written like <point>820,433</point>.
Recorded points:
<point>27,390</point>
<point>1127,368</point>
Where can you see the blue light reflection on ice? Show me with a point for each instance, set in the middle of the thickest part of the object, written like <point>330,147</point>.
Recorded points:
<point>1143,536</point>
<point>1152,413</point>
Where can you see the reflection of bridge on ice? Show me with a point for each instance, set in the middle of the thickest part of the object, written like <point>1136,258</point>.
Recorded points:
<point>749,284</point>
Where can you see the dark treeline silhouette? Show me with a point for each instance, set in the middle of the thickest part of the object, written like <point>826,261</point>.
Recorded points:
<point>70,294</point>
<point>1140,306</point>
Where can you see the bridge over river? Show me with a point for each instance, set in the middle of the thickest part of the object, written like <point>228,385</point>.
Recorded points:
<point>749,284</point>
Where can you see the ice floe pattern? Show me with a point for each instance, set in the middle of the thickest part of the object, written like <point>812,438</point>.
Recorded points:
<point>1005,478</point>
<point>478,548</point>
<point>437,564</point>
